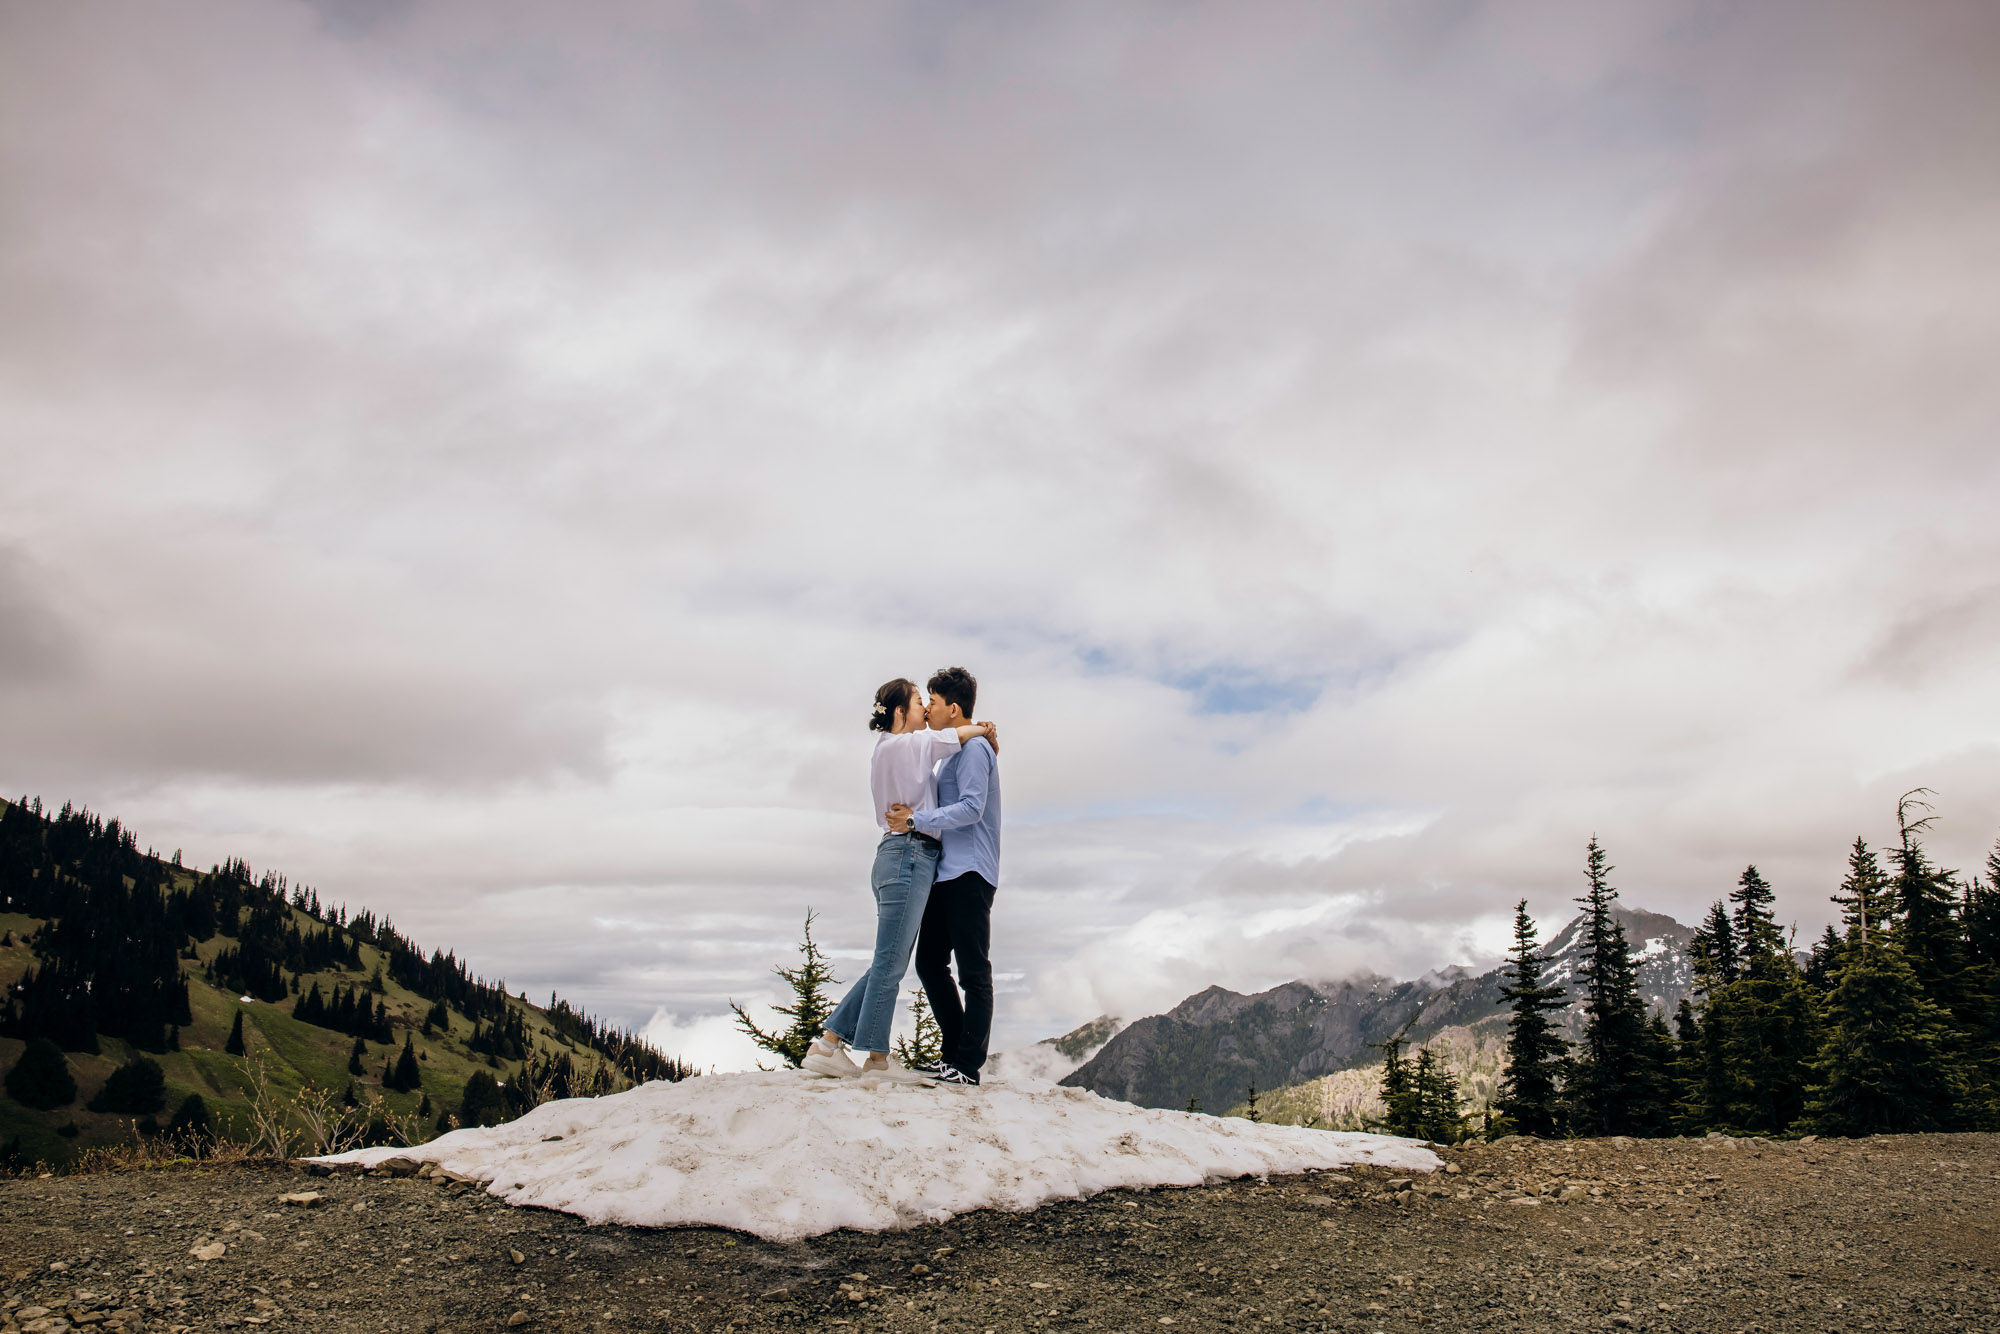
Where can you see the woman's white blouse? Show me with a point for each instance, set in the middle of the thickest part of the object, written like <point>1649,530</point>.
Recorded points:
<point>904,770</point>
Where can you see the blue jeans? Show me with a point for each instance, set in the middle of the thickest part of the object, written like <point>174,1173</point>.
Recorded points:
<point>905,865</point>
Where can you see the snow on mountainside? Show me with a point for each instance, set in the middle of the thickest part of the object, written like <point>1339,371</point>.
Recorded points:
<point>1216,1044</point>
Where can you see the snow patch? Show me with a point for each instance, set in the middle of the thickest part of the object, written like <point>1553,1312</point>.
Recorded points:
<point>785,1155</point>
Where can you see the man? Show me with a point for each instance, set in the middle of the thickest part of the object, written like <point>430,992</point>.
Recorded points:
<point>958,919</point>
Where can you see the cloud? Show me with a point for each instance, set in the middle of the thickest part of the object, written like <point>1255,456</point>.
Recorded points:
<point>482,462</point>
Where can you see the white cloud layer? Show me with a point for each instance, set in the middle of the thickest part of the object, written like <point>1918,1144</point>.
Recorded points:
<point>481,460</point>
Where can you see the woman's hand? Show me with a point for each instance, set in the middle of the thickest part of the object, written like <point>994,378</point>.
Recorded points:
<point>991,732</point>
<point>898,817</point>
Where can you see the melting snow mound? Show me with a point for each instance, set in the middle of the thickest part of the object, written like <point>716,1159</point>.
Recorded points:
<point>785,1154</point>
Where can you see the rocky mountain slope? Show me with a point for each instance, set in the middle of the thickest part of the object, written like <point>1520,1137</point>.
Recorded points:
<point>1215,1045</point>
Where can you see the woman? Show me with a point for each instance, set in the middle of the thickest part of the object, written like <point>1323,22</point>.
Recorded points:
<point>902,772</point>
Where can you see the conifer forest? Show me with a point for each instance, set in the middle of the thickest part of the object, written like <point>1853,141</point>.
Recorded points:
<point>1888,1024</point>
<point>139,974</point>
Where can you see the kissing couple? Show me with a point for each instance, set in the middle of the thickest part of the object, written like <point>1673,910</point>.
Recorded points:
<point>935,779</point>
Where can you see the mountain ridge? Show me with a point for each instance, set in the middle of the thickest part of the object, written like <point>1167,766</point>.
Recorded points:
<point>1216,1044</point>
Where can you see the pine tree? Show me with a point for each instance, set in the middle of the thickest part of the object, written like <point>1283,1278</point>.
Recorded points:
<point>810,1007</point>
<point>482,1103</point>
<point>1713,951</point>
<point>406,1075</point>
<point>192,1127</point>
<point>1530,1096</point>
<point>926,1041</point>
<point>1617,1085</point>
<point>1756,925</point>
<point>1823,963</point>
<point>136,1088</point>
<point>1886,1065</point>
<point>1760,1031</point>
<point>41,1077</point>
<point>234,1046</point>
<point>354,1066</point>
<point>1402,1104</point>
<point>1252,1113</point>
<point>1925,903</point>
<point>1440,1112</point>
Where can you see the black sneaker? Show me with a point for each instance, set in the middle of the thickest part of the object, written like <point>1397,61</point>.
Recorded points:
<point>930,1069</point>
<point>951,1074</point>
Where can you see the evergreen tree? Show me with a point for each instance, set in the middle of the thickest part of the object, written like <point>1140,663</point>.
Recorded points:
<point>1402,1102</point>
<point>1924,898</point>
<point>1761,1030</point>
<point>926,1041</point>
<point>406,1075</point>
<point>1823,964</point>
<point>1713,950</point>
<point>136,1088</point>
<point>482,1103</point>
<point>192,1127</point>
<point>1617,1087</point>
<point>1863,897</point>
<point>1754,921</point>
<point>354,1066</point>
<point>234,1046</point>
<point>809,1010</point>
<point>1530,1095</point>
<point>1440,1111</point>
<point>424,1107</point>
<point>1886,1065</point>
<point>41,1077</point>
<point>1252,1113</point>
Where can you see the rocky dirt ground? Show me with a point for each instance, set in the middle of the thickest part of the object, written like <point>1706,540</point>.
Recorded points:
<point>1880,1234</point>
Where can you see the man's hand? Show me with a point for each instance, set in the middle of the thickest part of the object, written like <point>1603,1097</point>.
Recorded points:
<point>898,817</point>
<point>991,731</point>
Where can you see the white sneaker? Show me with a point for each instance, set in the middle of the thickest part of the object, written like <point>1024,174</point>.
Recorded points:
<point>833,1062</point>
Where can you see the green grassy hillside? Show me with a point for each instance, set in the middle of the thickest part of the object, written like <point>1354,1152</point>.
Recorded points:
<point>291,1054</point>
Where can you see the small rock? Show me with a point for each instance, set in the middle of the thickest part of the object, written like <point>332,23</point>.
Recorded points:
<point>1622,1320</point>
<point>518,1318</point>
<point>1808,1139</point>
<point>1398,1183</point>
<point>919,1270</point>
<point>53,1324</point>
<point>318,1170</point>
<point>1452,1169</point>
<point>1572,1193</point>
<point>1528,1200</point>
<point>31,1313</point>
<point>1334,1179</point>
<point>360,1206</point>
<point>214,1250</point>
<point>398,1167</point>
<point>303,1199</point>
<point>517,1257</point>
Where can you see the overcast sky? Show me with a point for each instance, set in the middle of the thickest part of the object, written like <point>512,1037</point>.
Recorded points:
<point>480,459</point>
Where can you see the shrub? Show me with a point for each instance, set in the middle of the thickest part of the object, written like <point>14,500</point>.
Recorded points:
<point>136,1088</point>
<point>41,1078</point>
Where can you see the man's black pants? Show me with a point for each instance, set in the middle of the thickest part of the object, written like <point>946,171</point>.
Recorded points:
<point>958,920</point>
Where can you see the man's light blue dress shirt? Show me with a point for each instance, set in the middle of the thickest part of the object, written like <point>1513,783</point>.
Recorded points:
<point>967,817</point>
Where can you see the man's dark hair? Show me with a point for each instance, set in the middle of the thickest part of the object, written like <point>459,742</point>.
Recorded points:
<point>954,685</point>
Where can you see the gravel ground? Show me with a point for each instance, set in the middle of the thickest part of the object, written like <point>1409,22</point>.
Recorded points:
<point>1885,1234</point>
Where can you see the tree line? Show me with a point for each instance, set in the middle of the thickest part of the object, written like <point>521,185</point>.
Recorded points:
<point>1889,1023</point>
<point>118,924</point>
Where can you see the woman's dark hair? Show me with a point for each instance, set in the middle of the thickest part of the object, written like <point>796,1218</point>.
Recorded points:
<point>954,685</point>
<point>900,693</point>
